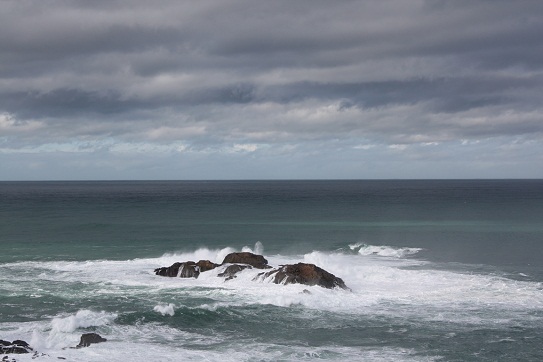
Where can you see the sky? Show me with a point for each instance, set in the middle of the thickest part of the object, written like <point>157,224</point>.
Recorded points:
<point>282,89</point>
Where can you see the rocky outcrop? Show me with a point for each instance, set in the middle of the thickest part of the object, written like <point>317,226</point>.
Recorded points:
<point>15,347</point>
<point>90,338</point>
<point>254,260</point>
<point>302,273</point>
<point>188,269</point>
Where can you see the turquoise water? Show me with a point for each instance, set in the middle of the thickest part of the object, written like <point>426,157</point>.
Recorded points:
<point>439,270</point>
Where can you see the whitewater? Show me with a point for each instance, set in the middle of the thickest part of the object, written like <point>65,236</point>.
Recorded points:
<point>138,311</point>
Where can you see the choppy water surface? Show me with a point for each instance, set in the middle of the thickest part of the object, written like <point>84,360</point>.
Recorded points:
<point>439,270</point>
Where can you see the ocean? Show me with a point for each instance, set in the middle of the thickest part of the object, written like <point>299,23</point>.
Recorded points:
<point>438,270</point>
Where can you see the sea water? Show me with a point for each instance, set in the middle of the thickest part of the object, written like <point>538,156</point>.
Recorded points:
<point>438,270</point>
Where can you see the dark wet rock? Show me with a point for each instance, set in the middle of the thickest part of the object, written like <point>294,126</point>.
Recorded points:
<point>206,265</point>
<point>231,271</point>
<point>254,260</point>
<point>188,269</point>
<point>90,338</point>
<point>302,273</point>
<point>170,271</point>
<point>15,347</point>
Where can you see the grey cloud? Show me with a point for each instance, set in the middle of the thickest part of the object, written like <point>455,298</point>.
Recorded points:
<point>272,71</point>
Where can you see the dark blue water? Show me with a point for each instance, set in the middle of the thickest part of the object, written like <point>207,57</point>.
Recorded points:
<point>497,222</point>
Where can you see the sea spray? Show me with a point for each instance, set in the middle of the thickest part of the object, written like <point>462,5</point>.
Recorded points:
<point>64,331</point>
<point>168,309</point>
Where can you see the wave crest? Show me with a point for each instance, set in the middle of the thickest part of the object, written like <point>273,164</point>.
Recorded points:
<point>383,250</point>
<point>168,309</point>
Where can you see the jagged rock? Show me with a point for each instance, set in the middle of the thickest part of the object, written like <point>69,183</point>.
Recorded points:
<point>89,338</point>
<point>231,271</point>
<point>257,261</point>
<point>302,273</point>
<point>15,347</point>
<point>188,269</point>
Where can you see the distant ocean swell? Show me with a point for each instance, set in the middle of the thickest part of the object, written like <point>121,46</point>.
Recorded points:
<point>242,319</point>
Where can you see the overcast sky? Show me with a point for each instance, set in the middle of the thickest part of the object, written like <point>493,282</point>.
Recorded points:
<point>220,89</point>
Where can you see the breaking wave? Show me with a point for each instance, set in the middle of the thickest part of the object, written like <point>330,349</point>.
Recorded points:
<point>382,250</point>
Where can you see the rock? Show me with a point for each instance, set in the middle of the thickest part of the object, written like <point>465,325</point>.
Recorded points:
<point>188,269</point>
<point>231,271</point>
<point>302,273</point>
<point>257,261</point>
<point>206,265</point>
<point>90,338</point>
<point>20,343</point>
<point>170,271</point>
<point>15,347</point>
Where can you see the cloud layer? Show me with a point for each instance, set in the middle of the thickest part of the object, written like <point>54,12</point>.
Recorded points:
<point>234,89</point>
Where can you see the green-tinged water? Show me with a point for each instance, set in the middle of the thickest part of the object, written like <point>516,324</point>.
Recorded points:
<point>438,270</point>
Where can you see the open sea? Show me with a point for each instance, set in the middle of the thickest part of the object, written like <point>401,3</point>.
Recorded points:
<point>442,270</point>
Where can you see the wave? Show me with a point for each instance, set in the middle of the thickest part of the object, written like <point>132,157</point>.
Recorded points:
<point>60,331</point>
<point>151,313</point>
<point>377,283</point>
<point>165,309</point>
<point>382,250</point>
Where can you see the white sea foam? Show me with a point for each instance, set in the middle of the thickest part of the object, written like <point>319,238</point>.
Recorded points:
<point>168,309</point>
<point>375,281</point>
<point>60,332</point>
<point>123,348</point>
<point>151,341</point>
<point>382,285</point>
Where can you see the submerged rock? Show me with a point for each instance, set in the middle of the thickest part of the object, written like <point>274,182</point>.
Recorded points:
<point>231,271</point>
<point>15,347</point>
<point>90,338</point>
<point>302,273</point>
<point>254,260</point>
<point>188,269</point>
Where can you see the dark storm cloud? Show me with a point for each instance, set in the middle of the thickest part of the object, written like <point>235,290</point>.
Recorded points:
<point>63,103</point>
<point>433,68</point>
